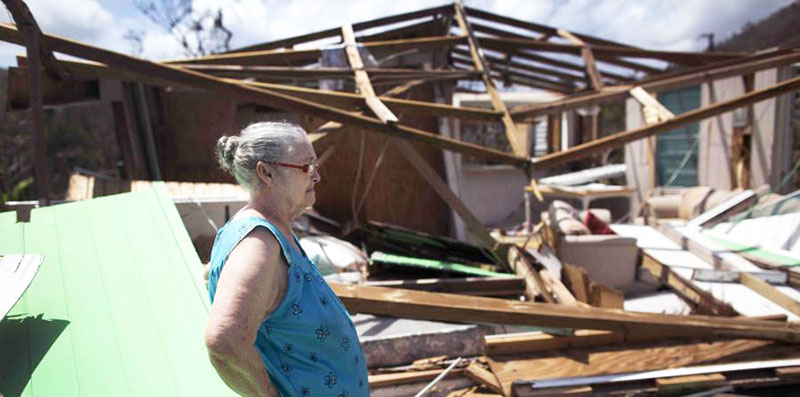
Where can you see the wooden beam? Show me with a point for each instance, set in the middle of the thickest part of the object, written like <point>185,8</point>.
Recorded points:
<point>768,291</point>
<point>588,59</point>
<point>524,267</point>
<point>701,301</point>
<point>653,110</point>
<point>460,308</point>
<point>546,31</point>
<point>608,53</point>
<point>24,19</point>
<point>268,57</point>
<point>294,72</point>
<point>479,286</point>
<point>291,41</point>
<point>497,62</point>
<point>504,70</point>
<point>690,77</point>
<point>362,78</point>
<point>577,279</point>
<point>531,342</point>
<point>513,135</point>
<point>620,139</point>
<point>259,95</point>
<point>475,227</point>
<point>484,378</point>
<point>37,55</point>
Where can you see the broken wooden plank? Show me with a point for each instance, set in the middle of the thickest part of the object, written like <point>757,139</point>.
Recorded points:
<point>730,206</point>
<point>484,378</point>
<point>362,78</point>
<point>656,374</point>
<point>381,257</point>
<point>479,286</point>
<point>689,382</point>
<point>530,342</point>
<point>620,139</point>
<point>653,110</point>
<point>605,296</point>
<point>577,280</point>
<point>701,301</point>
<point>524,267</point>
<point>384,380</point>
<point>459,308</point>
<point>768,291</point>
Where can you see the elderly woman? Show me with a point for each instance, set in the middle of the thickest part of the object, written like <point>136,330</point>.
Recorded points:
<point>275,326</point>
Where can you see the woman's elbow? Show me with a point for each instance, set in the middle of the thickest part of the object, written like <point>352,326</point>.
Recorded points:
<point>222,341</point>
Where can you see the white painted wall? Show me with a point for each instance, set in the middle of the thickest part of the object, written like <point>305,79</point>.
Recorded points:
<point>494,193</point>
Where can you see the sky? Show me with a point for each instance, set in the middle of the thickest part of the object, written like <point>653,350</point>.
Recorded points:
<point>664,24</point>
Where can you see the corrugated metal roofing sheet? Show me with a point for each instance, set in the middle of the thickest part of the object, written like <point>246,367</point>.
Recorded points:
<point>118,308</point>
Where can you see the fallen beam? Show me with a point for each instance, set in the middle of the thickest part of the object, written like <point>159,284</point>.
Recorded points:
<point>470,309</point>
<point>620,139</point>
<point>478,286</point>
<point>258,95</point>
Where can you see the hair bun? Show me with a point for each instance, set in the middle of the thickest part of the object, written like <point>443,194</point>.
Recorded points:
<point>226,151</point>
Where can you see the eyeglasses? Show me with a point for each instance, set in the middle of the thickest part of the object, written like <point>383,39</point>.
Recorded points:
<point>309,168</point>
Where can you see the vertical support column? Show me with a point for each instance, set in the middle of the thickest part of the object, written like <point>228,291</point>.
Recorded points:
<point>41,172</point>
<point>554,132</point>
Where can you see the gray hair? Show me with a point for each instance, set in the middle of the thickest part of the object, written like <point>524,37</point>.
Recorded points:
<point>264,141</point>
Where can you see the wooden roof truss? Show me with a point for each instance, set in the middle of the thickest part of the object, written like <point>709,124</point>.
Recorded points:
<point>473,45</point>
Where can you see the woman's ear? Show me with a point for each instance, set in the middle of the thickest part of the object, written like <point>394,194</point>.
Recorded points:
<point>263,173</point>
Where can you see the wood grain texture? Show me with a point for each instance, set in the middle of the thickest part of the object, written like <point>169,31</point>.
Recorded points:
<point>633,358</point>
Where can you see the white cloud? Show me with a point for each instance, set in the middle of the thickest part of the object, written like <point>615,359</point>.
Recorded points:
<point>666,24</point>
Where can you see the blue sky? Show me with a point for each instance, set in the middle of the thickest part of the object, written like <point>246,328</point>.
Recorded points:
<point>664,24</point>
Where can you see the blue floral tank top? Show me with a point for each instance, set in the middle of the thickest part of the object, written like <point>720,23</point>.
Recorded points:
<point>309,345</point>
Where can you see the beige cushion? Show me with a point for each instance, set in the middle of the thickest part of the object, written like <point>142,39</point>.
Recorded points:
<point>664,206</point>
<point>693,201</point>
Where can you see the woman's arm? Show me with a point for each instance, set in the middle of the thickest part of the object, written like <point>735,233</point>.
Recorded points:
<point>251,285</point>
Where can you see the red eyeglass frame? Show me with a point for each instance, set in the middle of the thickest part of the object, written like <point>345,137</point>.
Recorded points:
<point>307,168</point>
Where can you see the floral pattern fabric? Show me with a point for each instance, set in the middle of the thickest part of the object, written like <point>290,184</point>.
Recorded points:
<point>309,345</point>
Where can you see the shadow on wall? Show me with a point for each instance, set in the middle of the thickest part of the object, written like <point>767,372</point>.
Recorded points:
<point>24,341</point>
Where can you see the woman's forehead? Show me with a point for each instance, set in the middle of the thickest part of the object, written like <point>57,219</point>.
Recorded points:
<point>302,150</point>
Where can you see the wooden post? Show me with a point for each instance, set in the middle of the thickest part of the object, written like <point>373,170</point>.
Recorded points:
<point>41,172</point>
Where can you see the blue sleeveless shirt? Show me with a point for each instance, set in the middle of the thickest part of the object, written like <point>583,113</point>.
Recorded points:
<point>308,345</point>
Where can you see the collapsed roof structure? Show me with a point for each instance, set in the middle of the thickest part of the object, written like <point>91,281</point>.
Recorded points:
<point>373,64</point>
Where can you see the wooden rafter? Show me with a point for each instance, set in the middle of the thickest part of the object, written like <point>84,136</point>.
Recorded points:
<point>545,30</point>
<point>532,80</point>
<point>289,72</point>
<point>565,65</point>
<point>511,63</point>
<point>512,133</point>
<point>588,59</point>
<point>27,24</point>
<point>323,34</point>
<point>259,95</point>
<point>269,57</point>
<point>693,76</point>
<point>653,110</point>
<point>619,139</point>
<point>340,99</point>
<point>363,84</point>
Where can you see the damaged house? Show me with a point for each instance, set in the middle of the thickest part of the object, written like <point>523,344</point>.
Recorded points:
<point>506,208</point>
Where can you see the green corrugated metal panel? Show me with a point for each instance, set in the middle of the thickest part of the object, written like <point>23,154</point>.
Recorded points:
<point>433,264</point>
<point>118,307</point>
<point>674,145</point>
